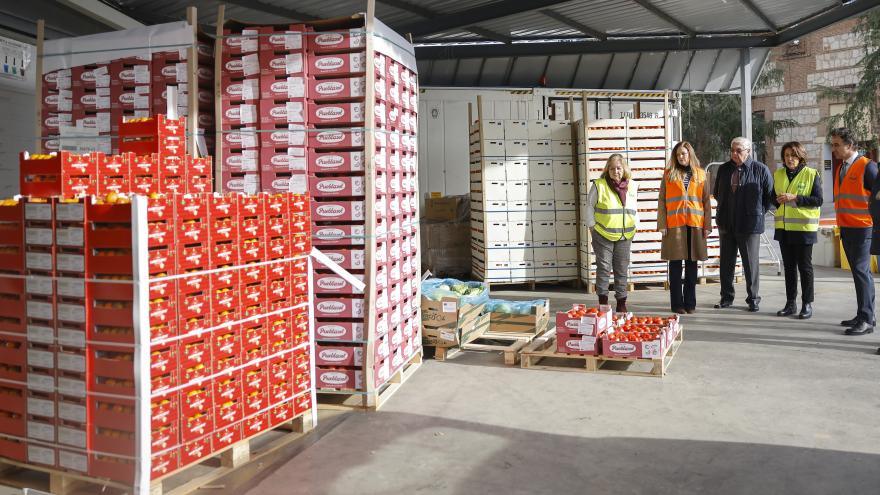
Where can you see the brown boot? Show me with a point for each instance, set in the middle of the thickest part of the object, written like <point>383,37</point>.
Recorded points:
<point>621,305</point>
<point>603,299</point>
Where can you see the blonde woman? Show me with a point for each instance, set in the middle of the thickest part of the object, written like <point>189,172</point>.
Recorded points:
<point>684,219</point>
<point>612,218</point>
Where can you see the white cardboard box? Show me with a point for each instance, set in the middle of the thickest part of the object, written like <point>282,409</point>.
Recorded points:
<point>495,205</point>
<point>539,129</point>
<point>566,215</point>
<point>519,231</point>
<point>541,190</point>
<point>518,216</point>
<point>494,170</point>
<point>517,206</point>
<point>566,253</point>
<point>495,190</point>
<point>545,273</point>
<point>568,272</point>
<point>496,231</point>
<point>522,254</point>
<point>563,190</point>
<point>563,170</point>
<point>493,129</point>
<point>496,216</point>
<point>516,169</point>
<point>539,148</point>
<point>560,148</point>
<point>517,191</point>
<point>566,231</point>
<point>516,129</point>
<point>540,170</point>
<point>544,231</point>
<point>543,205</point>
<point>543,216</point>
<point>516,149</point>
<point>560,130</point>
<point>545,254</point>
<point>492,148</point>
<point>496,255</point>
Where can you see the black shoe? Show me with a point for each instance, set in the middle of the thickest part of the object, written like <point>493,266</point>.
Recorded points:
<point>860,328</point>
<point>690,311</point>
<point>753,307</point>
<point>788,310</point>
<point>806,311</point>
<point>722,304</point>
<point>850,323</point>
<point>878,350</point>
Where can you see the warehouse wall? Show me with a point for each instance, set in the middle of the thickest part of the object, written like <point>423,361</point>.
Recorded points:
<point>443,127</point>
<point>17,120</point>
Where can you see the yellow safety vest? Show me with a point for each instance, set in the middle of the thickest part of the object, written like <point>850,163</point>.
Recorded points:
<point>796,218</point>
<point>613,221</point>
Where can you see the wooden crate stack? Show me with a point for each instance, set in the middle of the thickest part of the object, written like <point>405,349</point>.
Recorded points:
<point>523,201</point>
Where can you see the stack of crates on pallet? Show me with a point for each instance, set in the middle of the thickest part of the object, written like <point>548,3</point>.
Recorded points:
<point>263,91</point>
<point>523,201</point>
<point>167,328</point>
<point>152,159</point>
<point>100,95</point>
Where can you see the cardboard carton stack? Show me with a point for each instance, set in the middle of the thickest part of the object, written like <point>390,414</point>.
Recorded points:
<point>446,235</point>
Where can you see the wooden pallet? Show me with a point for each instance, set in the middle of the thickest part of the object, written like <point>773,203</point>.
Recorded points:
<point>574,283</point>
<point>203,475</point>
<point>345,400</point>
<point>544,349</point>
<point>507,343</point>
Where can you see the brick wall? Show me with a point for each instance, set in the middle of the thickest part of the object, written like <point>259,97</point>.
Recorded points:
<point>824,58</point>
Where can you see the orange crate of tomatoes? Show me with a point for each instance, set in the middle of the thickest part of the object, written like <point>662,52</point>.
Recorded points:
<point>581,320</point>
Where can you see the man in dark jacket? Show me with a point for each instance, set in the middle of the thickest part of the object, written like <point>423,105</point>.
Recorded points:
<point>744,190</point>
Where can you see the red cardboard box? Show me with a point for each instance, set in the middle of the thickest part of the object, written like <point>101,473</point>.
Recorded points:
<point>282,112</point>
<point>335,211</point>
<point>240,89</point>
<point>241,138</point>
<point>337,41</point>
<point>338,235</point>
<point>274,87</point>
<point>282,64</point>
<point>290,39</point>
<point>248,40</point>
<point>245,182</point>
<point>335,139</point>
<point>340,89</point>
<point>242,161</point>
<point>339,330</point>
<point>591,325</point>
<point>339,308</point>
<point>337,65</point>
<point>328,284</point>
<point>643,350</point>
<point>339,379</point>
<point>350,259</point>
<point>578,344</point>
<point>336,113</point>
<point>283,136</point>
<point>239,114</point>
<point>335,161</point>
<point>325,187</point>
<point>195,450</point>
<point>283,159</point>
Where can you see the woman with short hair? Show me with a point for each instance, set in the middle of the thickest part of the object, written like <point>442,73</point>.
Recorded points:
<point>612,218</point>
<point>684,219</point>
<point>798,202</point>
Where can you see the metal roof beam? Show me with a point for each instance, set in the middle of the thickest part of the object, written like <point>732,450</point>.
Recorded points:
<point>749,4</point>
<point>492,35</point>
<point>556,16</point>
<point>268,8</point>
<point>823,19</point>
<point>475,15</point>
<point>431,13</point>
<point>590,46</point>
<point>647,5</point>
<point>102,13</point>
<point>660,71</point>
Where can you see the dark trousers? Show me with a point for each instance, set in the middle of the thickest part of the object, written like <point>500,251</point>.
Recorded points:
<point>683,292</point>
<point>858,252</point>
<point>798,258</point>
<point>749,246</point>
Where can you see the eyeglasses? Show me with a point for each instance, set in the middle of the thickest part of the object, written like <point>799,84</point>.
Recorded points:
<point>739,150</point>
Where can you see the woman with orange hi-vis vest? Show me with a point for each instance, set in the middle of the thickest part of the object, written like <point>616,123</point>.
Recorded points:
<point>853,181</point>
<point>684,219</point>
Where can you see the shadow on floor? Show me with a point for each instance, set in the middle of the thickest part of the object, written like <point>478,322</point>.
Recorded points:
<point>391,452</point>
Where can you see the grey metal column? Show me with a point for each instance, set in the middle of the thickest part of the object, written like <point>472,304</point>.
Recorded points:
<point>745,91</point>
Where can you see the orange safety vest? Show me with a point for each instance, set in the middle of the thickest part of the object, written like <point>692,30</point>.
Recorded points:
<point>851,198</point>
<point>685,207</point>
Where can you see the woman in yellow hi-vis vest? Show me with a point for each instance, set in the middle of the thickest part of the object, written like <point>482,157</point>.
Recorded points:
<point>798,200</point>
<point>612,217</point>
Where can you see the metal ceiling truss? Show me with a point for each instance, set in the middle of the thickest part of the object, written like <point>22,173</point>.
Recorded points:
<point>556,16</point>
<point>475,15</point>
<point>647,5</point>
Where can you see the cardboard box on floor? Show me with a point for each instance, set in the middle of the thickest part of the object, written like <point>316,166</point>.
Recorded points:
<point>446,324</point>
<point>447,209</point>
<point>534,323</point>
<point>446,248</point>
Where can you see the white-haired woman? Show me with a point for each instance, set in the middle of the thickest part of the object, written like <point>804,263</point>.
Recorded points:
<point>744,190</point>
<point>612,217</point>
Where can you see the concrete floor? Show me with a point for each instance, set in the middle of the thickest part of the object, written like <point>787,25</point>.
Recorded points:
<point>751,404</point>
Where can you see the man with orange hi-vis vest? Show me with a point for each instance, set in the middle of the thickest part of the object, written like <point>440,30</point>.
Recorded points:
<point>853,181</point>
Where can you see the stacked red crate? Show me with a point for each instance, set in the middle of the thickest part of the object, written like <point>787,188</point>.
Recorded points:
<point>13,325</point>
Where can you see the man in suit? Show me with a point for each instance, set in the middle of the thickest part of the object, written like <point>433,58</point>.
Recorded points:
<point>744,190</point>
<point>853,182</point>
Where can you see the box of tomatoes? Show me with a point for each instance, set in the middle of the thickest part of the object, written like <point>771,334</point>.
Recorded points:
<point>581,320</point>
<point>641,337</point>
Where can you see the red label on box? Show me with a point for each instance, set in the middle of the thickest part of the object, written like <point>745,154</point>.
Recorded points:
<point>339,331</point>
<point>338,235</point>
<point>336,113</point>
<point>337,89</point>
<point>339,378</point>
<point>327,283</point>
<point>335,162</point>
<point>339,308</point>
<point>335,138</point>
<point>337,41</point>
<point>337,186</point>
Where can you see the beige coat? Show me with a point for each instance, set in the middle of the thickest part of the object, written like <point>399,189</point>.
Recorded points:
<point>675,245</point>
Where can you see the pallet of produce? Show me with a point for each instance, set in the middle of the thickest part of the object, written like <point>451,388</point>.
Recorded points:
<point>452,311</point>
<point>527,318</point>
